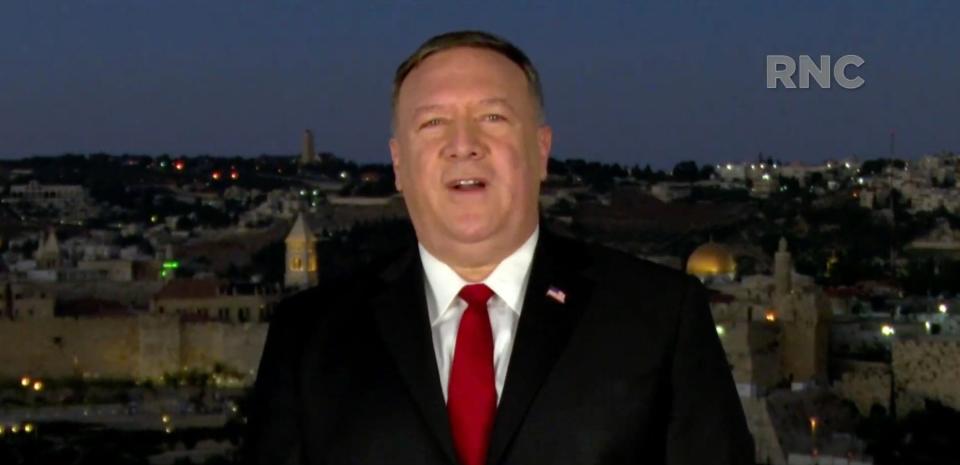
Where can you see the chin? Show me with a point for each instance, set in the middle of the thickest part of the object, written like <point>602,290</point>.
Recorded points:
<point>471,231</point>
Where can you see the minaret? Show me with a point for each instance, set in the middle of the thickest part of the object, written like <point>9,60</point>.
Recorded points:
<point>307,154</point>
<point>301,263</point>
<point>782,269</point>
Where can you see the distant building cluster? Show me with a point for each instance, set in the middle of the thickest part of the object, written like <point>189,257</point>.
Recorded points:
<point>179,267</point>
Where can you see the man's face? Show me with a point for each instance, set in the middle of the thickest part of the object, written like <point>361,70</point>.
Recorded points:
<point>469,150</point>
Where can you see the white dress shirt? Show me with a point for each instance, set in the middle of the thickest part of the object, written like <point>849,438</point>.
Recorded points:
<point>445,307</point>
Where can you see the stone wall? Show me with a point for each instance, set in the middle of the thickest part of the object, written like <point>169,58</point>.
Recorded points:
<point>926,368</point>
<point>865,384</point>
<point>60,347</point>
<point>139,347</point>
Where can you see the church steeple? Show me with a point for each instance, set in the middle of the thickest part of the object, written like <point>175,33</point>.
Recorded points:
<point>48,251</point>
<point>301,262</point>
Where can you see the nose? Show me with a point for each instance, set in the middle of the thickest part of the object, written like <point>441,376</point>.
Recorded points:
<point>465,142</point>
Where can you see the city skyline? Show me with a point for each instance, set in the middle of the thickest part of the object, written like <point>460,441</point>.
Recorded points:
<point>633,85</point>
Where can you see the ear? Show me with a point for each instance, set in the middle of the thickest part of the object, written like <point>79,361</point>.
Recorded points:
<point>544,142</point>
<point>395,158</point>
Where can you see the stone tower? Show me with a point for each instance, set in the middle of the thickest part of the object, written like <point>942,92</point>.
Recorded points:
<point>307,154</point>
<point>301,263</point>
<point>803,310</point>
<point>782,270</point>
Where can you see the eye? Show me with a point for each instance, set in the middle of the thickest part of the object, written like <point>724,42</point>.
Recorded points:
<point>494,117</point>
<point>431,123</point>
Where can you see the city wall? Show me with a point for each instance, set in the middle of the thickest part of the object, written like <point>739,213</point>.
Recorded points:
<point>926,368</point>
<point>139,347</point>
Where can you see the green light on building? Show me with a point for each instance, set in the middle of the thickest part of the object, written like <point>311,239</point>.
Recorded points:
<point>171,265</point>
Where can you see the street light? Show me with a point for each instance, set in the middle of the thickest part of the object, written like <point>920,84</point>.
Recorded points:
<point>942,308</point>
<point>25,381</point>
<point>887,330</point>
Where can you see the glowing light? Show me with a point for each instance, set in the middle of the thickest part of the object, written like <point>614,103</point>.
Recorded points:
<point>720,330</point>
<point>153,218</point>
<point>926,325</point>
<point>343,175</point>
<point>215,175</point>
<point>847,165</point>
<point>38,386</point>
<point>15,429</point>
<point>766,177</point>
<point>2,430</point>
<point>887,330</point>
<point>234,175</point>
<point>179,165</point>
<point>303,192</point>
<point>771,316</point>
<point>168,429</point>
<point>813,424</point>
<point>25,381</point>
<point>28,428</point>
<point>171,265</point>
<point>942,308</point>
<point>729,166</point>
<point>859,180</point>
<point>165,418</point>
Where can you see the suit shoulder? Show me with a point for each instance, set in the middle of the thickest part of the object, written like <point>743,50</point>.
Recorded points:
<point>621,270</point>
<point>331,292</point>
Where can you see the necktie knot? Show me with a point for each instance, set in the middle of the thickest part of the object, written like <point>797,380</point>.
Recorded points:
<point>476,294</point>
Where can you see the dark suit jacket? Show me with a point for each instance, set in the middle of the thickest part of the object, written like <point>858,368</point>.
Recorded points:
<point>629,370</point>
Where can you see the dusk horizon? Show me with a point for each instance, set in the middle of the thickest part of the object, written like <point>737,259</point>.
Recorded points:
<point>633,85</point>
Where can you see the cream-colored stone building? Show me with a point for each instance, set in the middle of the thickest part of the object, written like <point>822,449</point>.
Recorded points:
<point>301,251</point>
<point>762,319</point>
<point>209,299</point>
<point>21,300</point>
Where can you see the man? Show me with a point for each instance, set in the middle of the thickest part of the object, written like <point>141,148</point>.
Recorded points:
<point>492,341</point>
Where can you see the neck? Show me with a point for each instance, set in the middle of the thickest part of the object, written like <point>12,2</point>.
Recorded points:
<point>474,274</point>
<point>474,262</point>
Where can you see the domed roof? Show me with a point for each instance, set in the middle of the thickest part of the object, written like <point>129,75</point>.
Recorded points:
<point>711,260</point>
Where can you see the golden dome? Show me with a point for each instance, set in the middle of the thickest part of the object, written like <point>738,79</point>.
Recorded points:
<point>711,260</point>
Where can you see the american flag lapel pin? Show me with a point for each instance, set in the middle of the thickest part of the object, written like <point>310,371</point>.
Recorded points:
<point>556,294</point>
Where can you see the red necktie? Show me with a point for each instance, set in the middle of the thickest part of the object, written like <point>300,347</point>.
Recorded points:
<point>471,394</point>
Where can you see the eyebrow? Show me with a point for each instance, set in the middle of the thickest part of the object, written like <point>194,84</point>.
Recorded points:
<point>485,102</point>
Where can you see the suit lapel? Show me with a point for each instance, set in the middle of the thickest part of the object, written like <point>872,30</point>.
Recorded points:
<point>401,312</point>
<point>544,328</point>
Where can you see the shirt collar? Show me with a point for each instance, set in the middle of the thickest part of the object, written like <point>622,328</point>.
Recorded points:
<point>508,280</point>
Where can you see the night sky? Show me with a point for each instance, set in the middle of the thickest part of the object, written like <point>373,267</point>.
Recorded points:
<point>631,84</point>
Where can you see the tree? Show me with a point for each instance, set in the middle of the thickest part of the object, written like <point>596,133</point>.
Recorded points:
<point>686,171</point>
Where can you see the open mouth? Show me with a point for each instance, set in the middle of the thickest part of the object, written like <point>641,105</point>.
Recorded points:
<point>467,184</point>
